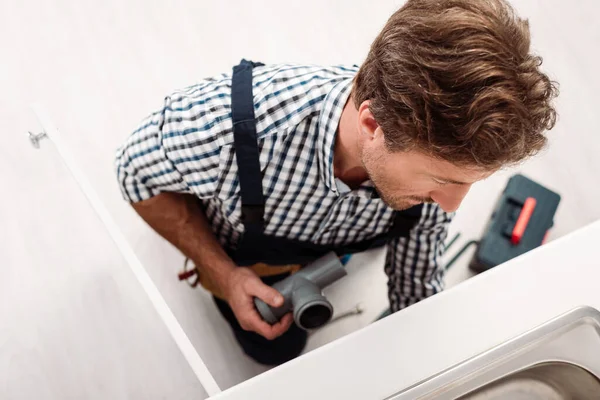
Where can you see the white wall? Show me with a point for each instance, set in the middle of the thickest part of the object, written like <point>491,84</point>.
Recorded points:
<point>100,67</point>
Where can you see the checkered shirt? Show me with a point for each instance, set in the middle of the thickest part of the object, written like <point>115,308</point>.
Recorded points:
<point>187,146</point>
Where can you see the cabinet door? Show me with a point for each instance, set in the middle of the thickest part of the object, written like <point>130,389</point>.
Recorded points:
<point>74,321</point>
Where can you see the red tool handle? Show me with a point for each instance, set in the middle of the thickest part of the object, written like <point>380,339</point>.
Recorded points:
<point>523,220</point>
<point>183,275</point>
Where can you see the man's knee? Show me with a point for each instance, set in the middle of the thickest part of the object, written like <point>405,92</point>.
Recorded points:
<point>268,352</point>
<point>273,352</point>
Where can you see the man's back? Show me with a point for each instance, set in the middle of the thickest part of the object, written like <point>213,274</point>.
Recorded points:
<point>188,146</point>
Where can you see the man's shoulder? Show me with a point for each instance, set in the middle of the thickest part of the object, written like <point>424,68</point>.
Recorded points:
<point>270,81</point>
<point>280,82</point>
<point>196,119</point>
<point>285,95</point>
<point>274,74</point>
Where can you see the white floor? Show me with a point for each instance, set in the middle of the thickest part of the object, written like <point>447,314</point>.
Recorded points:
<point>100,67</point>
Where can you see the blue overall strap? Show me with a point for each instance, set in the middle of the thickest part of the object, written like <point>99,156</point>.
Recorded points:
<point>246,147</point>
<point>405,221</point>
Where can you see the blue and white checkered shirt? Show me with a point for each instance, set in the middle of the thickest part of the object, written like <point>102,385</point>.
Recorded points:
<point>187,146</point>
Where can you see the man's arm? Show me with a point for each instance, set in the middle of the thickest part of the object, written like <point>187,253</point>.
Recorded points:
<point>150,180</point>
<point>413,264</point>
<point>178,218</point>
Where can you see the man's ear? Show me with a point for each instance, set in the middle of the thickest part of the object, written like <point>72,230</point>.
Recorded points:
<point>367,126</point>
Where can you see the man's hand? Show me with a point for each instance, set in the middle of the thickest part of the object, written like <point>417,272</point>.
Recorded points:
<point>178,218</point>
<point>241,288</point>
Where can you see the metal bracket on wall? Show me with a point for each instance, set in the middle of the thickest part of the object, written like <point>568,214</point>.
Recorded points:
<point>35,139</point>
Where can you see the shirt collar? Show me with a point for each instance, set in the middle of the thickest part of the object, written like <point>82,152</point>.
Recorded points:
<point>329,120</point>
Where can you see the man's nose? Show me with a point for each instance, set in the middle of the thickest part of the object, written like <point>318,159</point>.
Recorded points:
<point>449,198</point>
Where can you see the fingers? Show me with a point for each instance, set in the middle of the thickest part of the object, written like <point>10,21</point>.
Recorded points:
<point>252,321</point>
<point>257,288</point>
<point>274,331</point>
<point>241,301</point>
<point>283,325</point>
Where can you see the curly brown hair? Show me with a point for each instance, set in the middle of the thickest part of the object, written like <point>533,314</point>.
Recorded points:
<point>456,79</point>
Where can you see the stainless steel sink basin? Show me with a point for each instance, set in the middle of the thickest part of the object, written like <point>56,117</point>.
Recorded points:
<point>557,360</point>
<point>548,381</point>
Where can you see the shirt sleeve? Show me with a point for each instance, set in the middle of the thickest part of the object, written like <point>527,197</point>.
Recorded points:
<point>160,156</point>
<point>413,263</point>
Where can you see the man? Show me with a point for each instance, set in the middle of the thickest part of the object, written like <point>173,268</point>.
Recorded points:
<point>253,173</point>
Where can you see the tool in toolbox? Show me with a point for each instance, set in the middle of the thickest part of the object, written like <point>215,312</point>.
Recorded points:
<point>520,222</point>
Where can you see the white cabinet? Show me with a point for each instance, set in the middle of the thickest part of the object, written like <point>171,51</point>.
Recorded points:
<point>74,322</point>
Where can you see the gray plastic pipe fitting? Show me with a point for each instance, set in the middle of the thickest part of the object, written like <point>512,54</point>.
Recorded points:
<point>302,293</point>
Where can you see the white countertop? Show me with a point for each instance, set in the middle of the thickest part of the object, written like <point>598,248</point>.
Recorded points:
<point>424,339</point>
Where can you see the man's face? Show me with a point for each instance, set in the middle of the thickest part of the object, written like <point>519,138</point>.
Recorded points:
<point>405,179</point>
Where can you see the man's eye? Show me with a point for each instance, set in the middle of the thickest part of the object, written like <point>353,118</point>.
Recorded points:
<point>440,183</point>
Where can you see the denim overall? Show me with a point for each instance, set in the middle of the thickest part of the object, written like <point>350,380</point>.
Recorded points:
<point>256,247</point>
